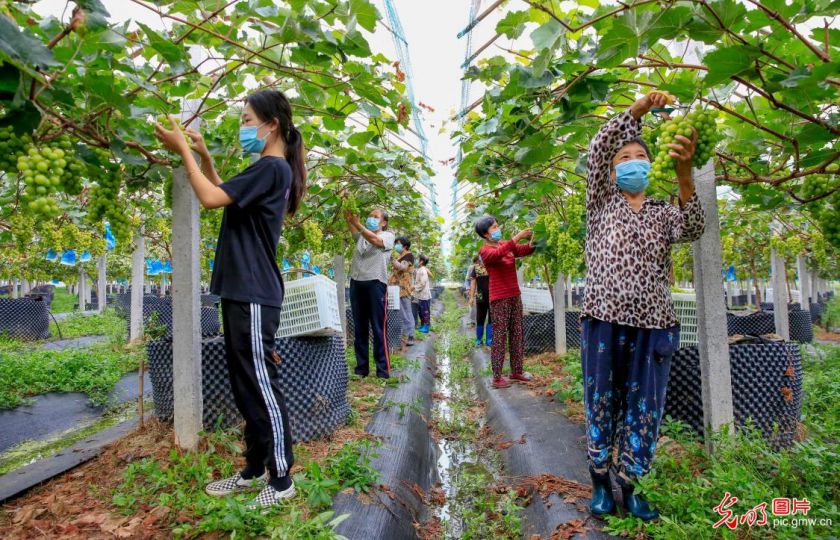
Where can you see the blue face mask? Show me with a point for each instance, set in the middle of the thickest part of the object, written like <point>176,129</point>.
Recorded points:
<point>372,224</point>
<point>398,248</point>
<point>632,176</point>
<point>249,140</point>
<point>496,235</point>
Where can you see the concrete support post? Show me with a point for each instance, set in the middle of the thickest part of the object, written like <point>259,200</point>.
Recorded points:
<point>186,311</point>
<point>138,271</point>
<point>780,295</point>
<point>338,265</point>
<point>102,291</point>
<point>186,306</point>
<point>82,289</point>
<point>716,380</point>
<point>804,282</point>
<point>560,315</point>
<point>88,291</point>
<point>730,293</point>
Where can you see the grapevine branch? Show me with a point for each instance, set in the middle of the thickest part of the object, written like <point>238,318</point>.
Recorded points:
<point>792,29</point>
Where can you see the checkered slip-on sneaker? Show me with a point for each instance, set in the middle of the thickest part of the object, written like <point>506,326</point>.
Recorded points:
<point>269,497</point>
<point>235,483</point>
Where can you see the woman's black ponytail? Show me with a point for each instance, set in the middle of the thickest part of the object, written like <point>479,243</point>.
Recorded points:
<point>271,104</point>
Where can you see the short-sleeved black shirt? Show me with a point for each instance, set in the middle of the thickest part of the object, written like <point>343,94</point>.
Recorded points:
<point>245,268</point>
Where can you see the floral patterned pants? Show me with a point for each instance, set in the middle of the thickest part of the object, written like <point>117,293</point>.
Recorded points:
<point>625,376</point>
<point>506,315</point>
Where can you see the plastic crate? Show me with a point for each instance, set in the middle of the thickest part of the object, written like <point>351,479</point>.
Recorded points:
<point>686,307</point>
<point>310,308</point>
<point>393,297</point>
<point>536,300</point>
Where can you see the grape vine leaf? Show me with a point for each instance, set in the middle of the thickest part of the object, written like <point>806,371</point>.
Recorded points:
<point>513,24</point>
<point>21,49</point>
<point>617,44</point>
<point>366,14</point>
<point>9,81</point>
<point>548,36</point>
<point>727,62</point>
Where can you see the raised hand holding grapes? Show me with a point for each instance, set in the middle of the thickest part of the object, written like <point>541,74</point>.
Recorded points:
<point>173,139</point>
<point>527,233</point>
<point>683,153</point>
<point>198,145</point>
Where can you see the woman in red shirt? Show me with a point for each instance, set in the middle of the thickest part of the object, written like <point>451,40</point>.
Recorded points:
<point>499,257</point>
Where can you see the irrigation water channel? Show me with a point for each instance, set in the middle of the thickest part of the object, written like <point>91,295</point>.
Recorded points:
<point>467,469</point>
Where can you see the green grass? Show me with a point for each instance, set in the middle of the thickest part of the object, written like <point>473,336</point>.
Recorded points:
<point>570,385</point>
<point>685,483</point>
<point>177,482</point>
<point>78,325</point>
<point>63,301</point>
<point>539,370</point>
<point>831,317</point>
<point>26,369</point>
<point>821,384</point>
<point>92,371</point>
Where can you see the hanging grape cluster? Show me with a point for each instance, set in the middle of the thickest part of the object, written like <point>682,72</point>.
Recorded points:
<point>43,168</point>
<point>825,190</point>
<point>707,138</point>
<point>312,236</point>
<point>825,211</point>
<point>12,147</point>
<point>104,194</point>
<point>351,204</point>
<point>46,168</point>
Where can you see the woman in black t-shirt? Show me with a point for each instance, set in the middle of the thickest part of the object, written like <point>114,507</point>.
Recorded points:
<point>246,277</point>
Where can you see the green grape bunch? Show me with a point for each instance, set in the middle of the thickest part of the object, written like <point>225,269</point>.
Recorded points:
<point>312,235</point>
<point>107,182</point>
<point>46,168</point>
<point>12,147</point>
<point>42,169</point>
<point>825,210</point>
<point>351,204</point>
<point>71,180</point>
<point>817,185</point>
<point>703,122</point>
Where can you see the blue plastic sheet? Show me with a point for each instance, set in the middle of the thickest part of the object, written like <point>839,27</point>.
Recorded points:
<point>110,239</point>
<point>68,258</point>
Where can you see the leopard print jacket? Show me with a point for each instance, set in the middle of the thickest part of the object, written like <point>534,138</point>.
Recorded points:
<point>628,254</point>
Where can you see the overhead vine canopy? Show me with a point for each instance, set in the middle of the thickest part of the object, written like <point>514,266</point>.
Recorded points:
<point>96,82</point>
<point>769,69</point>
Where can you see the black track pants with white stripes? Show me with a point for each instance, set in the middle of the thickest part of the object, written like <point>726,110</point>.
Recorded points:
<point>249,331</point>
